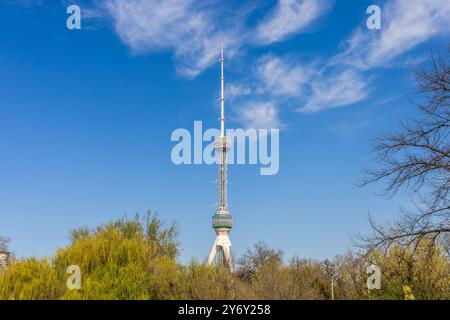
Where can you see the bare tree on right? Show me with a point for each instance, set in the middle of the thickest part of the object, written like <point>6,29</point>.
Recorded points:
<point>417,159</point>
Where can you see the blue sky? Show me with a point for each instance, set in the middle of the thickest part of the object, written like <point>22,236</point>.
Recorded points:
<point>86,115</point>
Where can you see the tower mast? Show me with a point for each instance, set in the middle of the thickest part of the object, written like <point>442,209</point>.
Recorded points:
<point>221,220</point>
<point>222,96</point>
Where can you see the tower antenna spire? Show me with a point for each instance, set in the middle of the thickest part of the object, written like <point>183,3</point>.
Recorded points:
<point>222,94</point>
<point>221,220</point>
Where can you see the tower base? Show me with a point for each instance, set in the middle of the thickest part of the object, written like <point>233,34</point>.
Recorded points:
<point>221,249</point>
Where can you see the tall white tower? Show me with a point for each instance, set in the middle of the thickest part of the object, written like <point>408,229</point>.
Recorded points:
<point>221,221</point>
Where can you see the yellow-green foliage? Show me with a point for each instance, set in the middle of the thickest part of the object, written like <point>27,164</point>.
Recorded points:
<point>30,279</point>
<point>408,293</point>
<point>136,259</point>
<point>206,283</point>
<point>113,265</point>
<point>126,259</point>
<point>165,279</point>
<point>425,273</point>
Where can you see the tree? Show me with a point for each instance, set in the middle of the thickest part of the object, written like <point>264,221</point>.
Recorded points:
<point>125,259</point>
<point>417,159</point>
<point>349,274</point>
<point>207,282</point>
<point>29,280</point>
<point>256,258</point>
<point>308,279</point>
<point>136,259</point>
<point>4,247</point>
<point>425,273</point>
<point>4,244</point>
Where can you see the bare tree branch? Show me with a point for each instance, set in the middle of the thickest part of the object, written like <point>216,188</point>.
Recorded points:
<point>417,159</point>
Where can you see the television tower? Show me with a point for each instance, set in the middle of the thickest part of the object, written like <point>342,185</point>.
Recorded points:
<point>221,220</point>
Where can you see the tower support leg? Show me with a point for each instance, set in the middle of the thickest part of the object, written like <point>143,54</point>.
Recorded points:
<point>222,244</point>
<point>212,254</point>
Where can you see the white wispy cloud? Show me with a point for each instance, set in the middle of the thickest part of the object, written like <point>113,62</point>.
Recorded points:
<point>290,17</point>
<point>388,100</point>
<point>405,24</point>
<point>336,90</point>
<point>258,114</point>
<point>275,81</point>
<point>194,30</point>
<point>186,27</point>
<point>289,83</point>
<point>348,128</point>
<point>282,76</point>
<point>191,30</point>
<point>274,76</point>
<point>237,90</point>
<point>293,85</point>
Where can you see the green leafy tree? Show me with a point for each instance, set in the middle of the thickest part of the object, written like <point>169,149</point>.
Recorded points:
<point>425,273</point>
<point>125,259</point>
<point>207,282</point>
<point>31,279</point>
